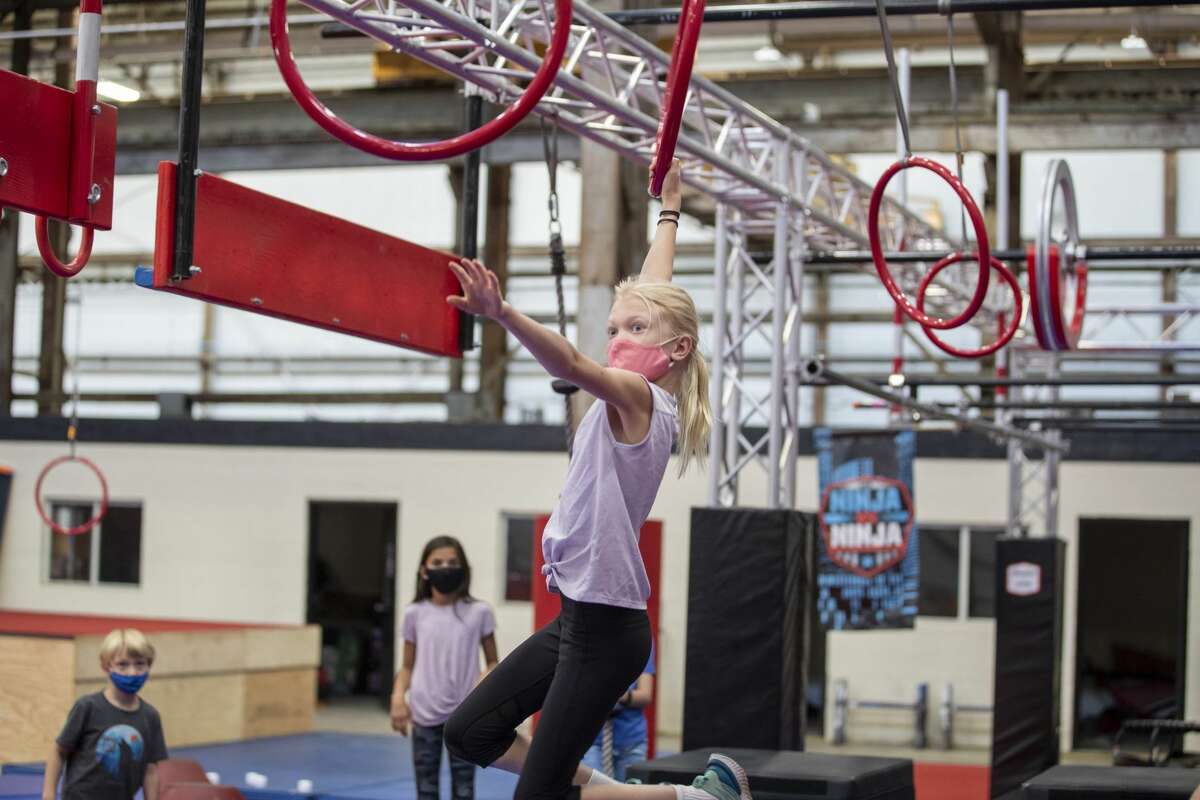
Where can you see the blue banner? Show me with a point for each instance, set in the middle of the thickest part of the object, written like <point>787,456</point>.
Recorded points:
<point>868,555</point>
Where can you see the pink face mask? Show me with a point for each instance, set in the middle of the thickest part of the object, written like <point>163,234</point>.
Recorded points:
<point>644,359</point>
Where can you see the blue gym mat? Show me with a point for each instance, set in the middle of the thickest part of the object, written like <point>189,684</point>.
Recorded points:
<point>341,766</point>
<point>21,787</point>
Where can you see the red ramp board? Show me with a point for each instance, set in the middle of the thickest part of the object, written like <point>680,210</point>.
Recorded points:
<point>35,141</point>
<point>262,254</point>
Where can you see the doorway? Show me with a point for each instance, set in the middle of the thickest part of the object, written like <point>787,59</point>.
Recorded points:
<point>1132,625</point>
<point>351,595</point>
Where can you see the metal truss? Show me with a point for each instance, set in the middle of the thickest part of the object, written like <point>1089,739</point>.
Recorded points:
<point>1033,469</point>
<point>610,90</point>
<point>756,304</point>
<point>768,182</point>
<point>1159,333</point>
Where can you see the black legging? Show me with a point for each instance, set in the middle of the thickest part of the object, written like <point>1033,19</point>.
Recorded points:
<point>574,671</point>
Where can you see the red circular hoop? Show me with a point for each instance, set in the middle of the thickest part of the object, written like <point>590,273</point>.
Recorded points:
<point>1035,302</point>
<point>1061,335</point>
<point>86,526</point>
<point>984,254</point>
<point>71,268</point>
<point>418,151</point>
<point>1067,333</point>
<point>1006,335</point>
<point>679,76</point>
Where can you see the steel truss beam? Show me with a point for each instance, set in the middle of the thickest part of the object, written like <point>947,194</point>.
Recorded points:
<point>834,9</point>
<point>768,182</point>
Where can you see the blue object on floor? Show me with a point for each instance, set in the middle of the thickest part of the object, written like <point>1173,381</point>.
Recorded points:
<point>341,766</point>
<point>20,786</point>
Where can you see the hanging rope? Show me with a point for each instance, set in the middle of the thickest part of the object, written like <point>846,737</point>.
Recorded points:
<point>558,262</point>
<point>944,8</point>
<point>73,426</point>
<point>893,73</point>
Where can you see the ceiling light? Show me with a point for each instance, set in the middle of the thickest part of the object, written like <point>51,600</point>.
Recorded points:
<point>768,53</point>
<point>1134,42</point>
<point>116,91</point>
<point>896,380</point>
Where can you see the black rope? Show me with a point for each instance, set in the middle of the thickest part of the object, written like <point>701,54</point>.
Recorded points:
<point>558,262</point>
<point>888,50</point>
<point>944,5</point>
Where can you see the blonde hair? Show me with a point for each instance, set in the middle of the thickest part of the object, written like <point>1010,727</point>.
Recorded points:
<point>679,317</point>
<point>129,641</point>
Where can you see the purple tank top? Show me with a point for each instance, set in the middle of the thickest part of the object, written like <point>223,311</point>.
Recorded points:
<point>590,544</point>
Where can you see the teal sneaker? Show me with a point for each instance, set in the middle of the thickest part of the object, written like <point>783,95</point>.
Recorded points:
<point>723,779</point>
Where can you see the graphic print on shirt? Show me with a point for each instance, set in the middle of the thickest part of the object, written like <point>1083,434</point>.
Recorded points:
<point>109,751</point>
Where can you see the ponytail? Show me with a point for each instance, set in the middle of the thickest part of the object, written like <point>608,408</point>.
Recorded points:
<point>695,416</point>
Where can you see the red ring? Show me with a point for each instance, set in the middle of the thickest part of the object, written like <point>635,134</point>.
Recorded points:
<point>1066,334</point>
<point>679,76</point>
<point>1035,302</point>
<point>426,151</point>
<point>71,268</point>
<point>86,526</point>
<point>1062,335</point>
<point>984,254</point>
<point>1006,334</point>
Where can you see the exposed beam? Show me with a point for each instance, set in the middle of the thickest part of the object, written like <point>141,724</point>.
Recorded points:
<point>854,118</point>
<point>836,9</point>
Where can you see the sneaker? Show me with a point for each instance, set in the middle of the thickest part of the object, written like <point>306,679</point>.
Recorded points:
<point>723,779</point>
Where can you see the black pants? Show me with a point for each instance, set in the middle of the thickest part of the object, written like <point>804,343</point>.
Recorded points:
<point>574,671</point>
<point>427,765</point>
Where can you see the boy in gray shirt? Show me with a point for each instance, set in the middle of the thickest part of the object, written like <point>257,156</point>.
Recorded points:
<point>112,740</point>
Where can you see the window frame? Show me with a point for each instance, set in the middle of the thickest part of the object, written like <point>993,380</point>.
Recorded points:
<point>97,534</point>
<point>964,566</point>
<point>505,516</point>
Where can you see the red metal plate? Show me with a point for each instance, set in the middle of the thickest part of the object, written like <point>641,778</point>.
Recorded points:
<point>35,140</point>
<point>262,254</point>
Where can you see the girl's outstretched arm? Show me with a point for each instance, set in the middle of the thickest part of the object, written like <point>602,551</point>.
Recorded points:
<point>626,391</point>
<point>660,259</point>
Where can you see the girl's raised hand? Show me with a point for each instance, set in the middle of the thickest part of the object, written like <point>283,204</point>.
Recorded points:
<point>481,289</point>
<point>672,191</point>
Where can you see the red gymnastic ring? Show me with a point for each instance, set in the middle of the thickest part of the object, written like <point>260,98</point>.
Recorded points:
<point>419,151</point>
<point>50,258</point>
<point>983,256</point>
<point>86,526</point>
<point>1060,331</point>
<point>675,95</point>
<point>1006,334</point>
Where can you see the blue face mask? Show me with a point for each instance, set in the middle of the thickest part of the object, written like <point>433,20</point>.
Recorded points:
<point>129,684</point>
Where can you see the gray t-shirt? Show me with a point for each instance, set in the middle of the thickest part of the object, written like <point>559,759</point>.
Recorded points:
<point>108,748</point>
<point>448,648</point>
<point>590,544</point>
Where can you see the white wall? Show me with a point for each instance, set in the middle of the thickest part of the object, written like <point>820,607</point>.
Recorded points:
<point>886,665</point>
<point>228,541</point>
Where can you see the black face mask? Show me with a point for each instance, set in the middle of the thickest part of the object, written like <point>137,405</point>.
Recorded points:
<point>446,579</point>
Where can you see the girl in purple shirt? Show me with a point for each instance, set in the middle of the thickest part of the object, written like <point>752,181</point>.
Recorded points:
<point>652,396</point>
<point>444,629</point>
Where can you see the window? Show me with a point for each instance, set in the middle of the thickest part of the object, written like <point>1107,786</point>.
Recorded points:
<point>958,571</point>
<point>983,572</point>
<point>938,593</point>
<point>111,552</point>
<point>518,559</point>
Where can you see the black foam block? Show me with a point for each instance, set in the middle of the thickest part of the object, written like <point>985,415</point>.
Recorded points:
<point>1112,783</point>
<point>1029,602</point>
<point>750,586</point>
<point>791,775</point>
